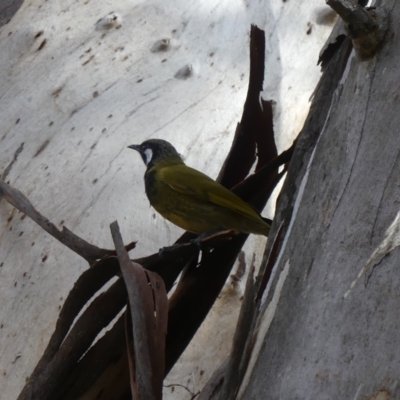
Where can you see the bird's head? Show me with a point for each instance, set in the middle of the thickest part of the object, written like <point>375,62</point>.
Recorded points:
<point>157,151</point>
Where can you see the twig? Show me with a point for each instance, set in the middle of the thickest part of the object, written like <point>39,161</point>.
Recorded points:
<point>86,250</point>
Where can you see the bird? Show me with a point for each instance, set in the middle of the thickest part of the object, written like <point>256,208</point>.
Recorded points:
<point>190,199</point>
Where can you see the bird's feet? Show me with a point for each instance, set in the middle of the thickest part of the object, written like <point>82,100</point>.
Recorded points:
<point>200,240</point>
<point>204,242</point>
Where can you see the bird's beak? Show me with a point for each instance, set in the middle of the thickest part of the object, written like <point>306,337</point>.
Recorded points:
<point>134,147</point>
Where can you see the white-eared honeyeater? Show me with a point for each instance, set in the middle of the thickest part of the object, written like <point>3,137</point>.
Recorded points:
<point>190,199</point>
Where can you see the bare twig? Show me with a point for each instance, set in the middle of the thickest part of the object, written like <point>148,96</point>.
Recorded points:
<point>86,250</point>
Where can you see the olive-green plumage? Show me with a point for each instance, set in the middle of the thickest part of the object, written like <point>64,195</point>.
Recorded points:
<point>190,199</point>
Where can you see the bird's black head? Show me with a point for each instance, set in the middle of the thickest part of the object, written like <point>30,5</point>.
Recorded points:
<point>157,151</point>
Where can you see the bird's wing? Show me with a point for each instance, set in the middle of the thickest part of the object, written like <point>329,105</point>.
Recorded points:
<point>193,183</point>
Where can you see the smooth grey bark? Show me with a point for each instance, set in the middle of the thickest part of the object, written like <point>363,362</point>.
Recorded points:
<point>321,344</point>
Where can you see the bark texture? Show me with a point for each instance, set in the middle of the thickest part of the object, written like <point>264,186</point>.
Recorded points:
<point>322,344</point>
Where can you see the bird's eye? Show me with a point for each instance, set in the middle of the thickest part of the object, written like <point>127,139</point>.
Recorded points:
<point>148,155</point>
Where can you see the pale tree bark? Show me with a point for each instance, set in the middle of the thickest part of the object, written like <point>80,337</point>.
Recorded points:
<point>328,325</point>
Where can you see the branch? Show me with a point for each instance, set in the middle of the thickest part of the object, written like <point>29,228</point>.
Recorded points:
<point>366,27</point>
<point>86,250</point>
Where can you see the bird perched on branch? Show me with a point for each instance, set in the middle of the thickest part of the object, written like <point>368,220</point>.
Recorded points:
<point>190,199</point>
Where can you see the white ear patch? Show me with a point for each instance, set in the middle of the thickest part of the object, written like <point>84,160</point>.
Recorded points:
<point>148,153</point>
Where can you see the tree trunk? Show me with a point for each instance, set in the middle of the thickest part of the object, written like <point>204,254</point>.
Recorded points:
<point>329,339</point>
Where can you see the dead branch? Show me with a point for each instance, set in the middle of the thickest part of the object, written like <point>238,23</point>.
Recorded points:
<point>86,250</point>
